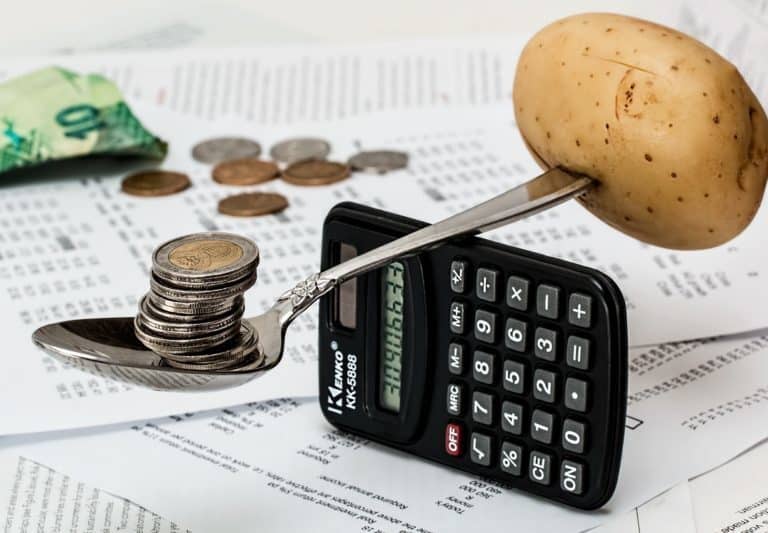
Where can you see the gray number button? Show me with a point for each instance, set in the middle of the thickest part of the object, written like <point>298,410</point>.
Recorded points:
<point>512,418</point>
<point>541,426</point>
<point>544,383</point>
<point>515,334</point>
<point>572,477</point>
<point>485,326</point>
<point>482,367</point>
<point>482,408</point>
<point>480,449</point>
<point>545,344</point>
<point>511,458</point>
<point>514,377</point>
<point>540,467</point>
<point>574,434</point>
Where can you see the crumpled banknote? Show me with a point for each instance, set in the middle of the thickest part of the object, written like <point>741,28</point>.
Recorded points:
<point>54,113</point>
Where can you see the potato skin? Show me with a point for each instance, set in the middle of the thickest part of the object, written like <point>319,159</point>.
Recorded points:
<point>670,130</point>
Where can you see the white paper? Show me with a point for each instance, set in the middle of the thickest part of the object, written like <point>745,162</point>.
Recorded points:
<point>280,465</point>
<point>34,497</point>
<point>732,498</point>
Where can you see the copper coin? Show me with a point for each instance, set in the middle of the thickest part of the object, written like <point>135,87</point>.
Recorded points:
<point>244,172</point>
<point>315,172</point>
<point>155,183</point>
<point>252,204</point>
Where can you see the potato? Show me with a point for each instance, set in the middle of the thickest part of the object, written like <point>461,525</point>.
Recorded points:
<point>669,129</point>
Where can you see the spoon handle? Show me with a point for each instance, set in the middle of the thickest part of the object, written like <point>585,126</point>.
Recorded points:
<point>547,190</point>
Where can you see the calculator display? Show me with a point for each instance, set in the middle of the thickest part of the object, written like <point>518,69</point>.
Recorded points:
<point>391,357</point>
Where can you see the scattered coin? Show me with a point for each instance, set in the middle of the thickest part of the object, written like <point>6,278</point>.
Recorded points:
<point>252,204</point>
<point>244,172</point>
<point>220,149</point>
<point>300,149</point>
<point>315,172</point>
<point>379,161</point>
<point>155,183</point>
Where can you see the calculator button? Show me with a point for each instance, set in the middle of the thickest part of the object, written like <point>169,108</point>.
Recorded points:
<point>577,352</point>
<point>458,310</point>
<point>454,399</point>
<point>544,383</point>
<point>511,458</point>
<point>572,477</point>
<point>483,367</point>
<point>514,377</point>
<point>545,344</point>
<point>517,293</point>
<point>548,301</point>
<point>485,326</point>
<point>542,426</point>
<point>515,334</point>
<point>458,275</point>
<point>480,449</point>
<point>576,394</point>
<point>486,284</point>
<point>456,358</point>
<point>512,418</point>
<point>482,408</point>
<point>574,434</point>
<point>580,310</point>
<point>453,445</point>
<point>539,467</point>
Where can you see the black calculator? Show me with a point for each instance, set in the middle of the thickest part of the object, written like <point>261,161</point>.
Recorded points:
<point>494,360</point>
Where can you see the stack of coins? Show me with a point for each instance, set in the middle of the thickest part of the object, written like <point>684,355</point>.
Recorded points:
<point>192,313</point>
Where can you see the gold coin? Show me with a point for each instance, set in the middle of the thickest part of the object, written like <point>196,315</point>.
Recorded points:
<point>155,183</point>
<point>206,255</point>
<point>244,172</point>
<point>252,204</point>
<point>315,172</point>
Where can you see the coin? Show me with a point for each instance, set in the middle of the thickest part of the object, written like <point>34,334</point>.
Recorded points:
<point>180,294</point>
<point>379,161</point>
<point>165,327</point>
<point>244,172</point>
<point>155,183</point>
<point>315,172</point>
<point>165,344</point>
<point>209,259</point>
<point>300,149</point>
<point>252,204</point>
<point>220,149</point>
<point>192,309</point>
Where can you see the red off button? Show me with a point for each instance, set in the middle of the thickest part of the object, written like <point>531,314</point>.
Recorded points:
<point>453,440</point>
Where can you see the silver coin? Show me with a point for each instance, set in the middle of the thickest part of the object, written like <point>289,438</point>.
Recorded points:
<point>205,259</point>
<point>200,295</point>
<point>241,346</point>
<point>192,309</point>
<point>216,150</point>
<point>185,329</point>
<point>148,306</point>
<point>300,149</point>
<point>169,345</point>
<point>379,161</point>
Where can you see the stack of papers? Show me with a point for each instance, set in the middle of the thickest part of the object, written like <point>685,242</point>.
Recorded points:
<point>88,452</point>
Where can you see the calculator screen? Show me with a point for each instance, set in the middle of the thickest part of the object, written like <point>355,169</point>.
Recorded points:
<point>391,351</point>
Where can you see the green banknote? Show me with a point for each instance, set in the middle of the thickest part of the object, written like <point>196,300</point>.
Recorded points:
<point>54,113</point>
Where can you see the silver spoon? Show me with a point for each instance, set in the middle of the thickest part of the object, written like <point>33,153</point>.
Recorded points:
<point>108,347</point>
